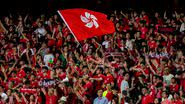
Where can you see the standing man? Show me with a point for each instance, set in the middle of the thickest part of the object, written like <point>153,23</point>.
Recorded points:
<point>100,99</point>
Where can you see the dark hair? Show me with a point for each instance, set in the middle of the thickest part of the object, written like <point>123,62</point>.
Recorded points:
<point>126,73</point>
<point>127,99</point>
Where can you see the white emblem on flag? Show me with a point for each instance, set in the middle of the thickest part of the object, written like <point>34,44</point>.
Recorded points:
<point>90,20</point>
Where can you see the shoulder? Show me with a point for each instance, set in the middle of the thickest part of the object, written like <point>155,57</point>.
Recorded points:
<point>105,98</point>
<point>3,94</point>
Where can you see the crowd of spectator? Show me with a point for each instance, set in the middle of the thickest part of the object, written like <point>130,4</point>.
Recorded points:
<point>142,62</point>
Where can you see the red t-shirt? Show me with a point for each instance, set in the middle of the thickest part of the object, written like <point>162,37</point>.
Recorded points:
<point>109,95</point>
<point>89,87</point>
<point>177,102</point>
<point>108,79</point>
<point>143,32</point>
<point>146,99</point>
<point>152,44</point>
<point>16,80</point>
<point>21,74</point>
<point>183,84</point>
<point>62,76</point>
<point>51,99</point>
<point>99,83</point>
<point>119,80</point>
<point>174,88</point>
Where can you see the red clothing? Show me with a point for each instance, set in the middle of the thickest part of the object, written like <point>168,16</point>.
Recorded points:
<point>146,99</point>
<point>174,88</point>
<point>119,80</point>
<point>16,80</point>
<point>183,84</point>
<point>51,99</point>
<point>89,87</point>
<point>34,84</point>
<point>99,83</point>
<point>21,74</point>
<point>62,76</point>
<point>152,44</point>
<point>166,102</point>
<point>145,17</point>
<point>143,32</point>
<point>109,95</point>
<point>122,101</point>
<point>177,102</point>
<point>108,79</point>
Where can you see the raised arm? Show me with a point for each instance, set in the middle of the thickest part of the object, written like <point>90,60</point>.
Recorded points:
<point>55,92</point>
<point>4,73</point>
<point>148,63</point>
<point>24,98</point>
<point>43,90</point>
<point>17,98</point>
<point>165,17</point>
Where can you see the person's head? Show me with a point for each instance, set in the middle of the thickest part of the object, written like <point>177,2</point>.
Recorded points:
<point>183,75</point>
<point>50,91</point>
<point>114,100</point>
<point>55,17</point>
<point>176,95</point>
<point>107,71</point>
<point>32,97</point>
<point>105,37</point>
<point>117,25</point>
<point>137,35</point>
<point>135,13</point>
<point>126,76</point>
<point>98,71</point>
<point>108,87</point>
<point>151,38</point>
<point>40,24</point>
<point>154,79</point>
<point>143,12</point>
<point>9,92</point>
<point>128,36</point>
<point>166,71</point>
<point>165,94</point>
<point>32,77</point>
<point>173,80</point>
<point>144,90</point>
<point>127,99</point>
<point>1,88</point>
<point>156,14</point>
<point>100,92</point>
<point>124,93</point>
<point>156,101</point>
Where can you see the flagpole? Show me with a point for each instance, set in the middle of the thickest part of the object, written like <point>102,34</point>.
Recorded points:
<point>69,27</point>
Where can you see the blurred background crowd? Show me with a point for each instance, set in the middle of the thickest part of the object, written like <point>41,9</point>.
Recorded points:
<point>142,62</point>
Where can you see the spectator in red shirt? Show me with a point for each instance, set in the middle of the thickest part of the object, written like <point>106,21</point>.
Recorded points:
<point>51,95</point>
<point>146,98</point>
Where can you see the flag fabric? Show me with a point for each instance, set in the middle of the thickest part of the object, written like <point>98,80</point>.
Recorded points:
<point>85,23</point>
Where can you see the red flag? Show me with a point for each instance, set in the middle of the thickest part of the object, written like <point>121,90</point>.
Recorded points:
<point>85,23</point>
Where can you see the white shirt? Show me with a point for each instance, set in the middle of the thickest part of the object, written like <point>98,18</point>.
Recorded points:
<point>124,85</point>
<point>167,79</point>
<point>48,58</point>
<point>4,96</point>
<point>182,28</point>
<point>106,44</point>
<point>40,31</point>
<point>129,44</point>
